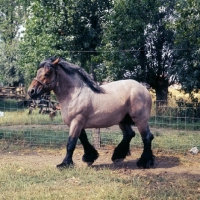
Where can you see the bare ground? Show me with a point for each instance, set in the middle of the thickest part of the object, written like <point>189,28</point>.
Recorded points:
<point>165,162</point>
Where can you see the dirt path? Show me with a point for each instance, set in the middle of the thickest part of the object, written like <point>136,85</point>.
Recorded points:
<point>165,163</point>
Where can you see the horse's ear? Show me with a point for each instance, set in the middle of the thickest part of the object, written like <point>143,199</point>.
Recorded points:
<point>55,61</point>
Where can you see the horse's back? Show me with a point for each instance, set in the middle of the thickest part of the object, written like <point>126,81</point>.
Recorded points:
<point>127,88</point>
<point>126,84</point>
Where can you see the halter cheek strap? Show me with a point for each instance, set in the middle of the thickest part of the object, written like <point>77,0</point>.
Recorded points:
<point>46,85</point>
<point>43,84</point>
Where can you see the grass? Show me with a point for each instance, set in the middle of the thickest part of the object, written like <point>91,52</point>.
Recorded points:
<point>165,139</point>
<point>28,182</point>
<point>21,117</point>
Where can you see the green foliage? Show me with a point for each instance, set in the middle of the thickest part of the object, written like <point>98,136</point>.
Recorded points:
<point>123,34</point>
<point>188,41</point>
<point>137,43</point>
<point>64,29</point>
<point>87,19</point>
<point>11,19</point>
<point>154,41</point>
<point>42,36</point>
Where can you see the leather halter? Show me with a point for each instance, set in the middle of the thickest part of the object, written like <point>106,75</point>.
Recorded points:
<point>46,85</point>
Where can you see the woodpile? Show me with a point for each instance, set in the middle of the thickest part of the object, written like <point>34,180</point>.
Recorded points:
<point>12,92</point>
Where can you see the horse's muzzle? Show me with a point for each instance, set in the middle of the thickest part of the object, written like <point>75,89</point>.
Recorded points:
<point>33,92</point>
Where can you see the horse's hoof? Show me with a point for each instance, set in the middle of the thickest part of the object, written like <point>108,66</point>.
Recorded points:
<point>118,160</point>
<point>119,154</point>
<point>146,164</point>
<point>90,158</point>
<point>89,163</point>
<point>64,166</point>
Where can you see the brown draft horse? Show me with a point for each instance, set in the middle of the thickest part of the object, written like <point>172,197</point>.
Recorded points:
<point>85,104</point>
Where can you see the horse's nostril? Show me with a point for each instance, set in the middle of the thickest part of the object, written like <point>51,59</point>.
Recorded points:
<point>31,92</point>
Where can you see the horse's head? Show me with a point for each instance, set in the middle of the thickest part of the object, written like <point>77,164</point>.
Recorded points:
<point>45,80</point>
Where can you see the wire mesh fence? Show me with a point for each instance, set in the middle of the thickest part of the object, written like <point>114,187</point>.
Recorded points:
<point>175,129</point>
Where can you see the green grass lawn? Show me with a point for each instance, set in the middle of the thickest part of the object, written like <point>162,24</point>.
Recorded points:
<point>32,182</point>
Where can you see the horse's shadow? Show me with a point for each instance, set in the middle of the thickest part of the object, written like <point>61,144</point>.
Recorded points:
<point>160,162</point>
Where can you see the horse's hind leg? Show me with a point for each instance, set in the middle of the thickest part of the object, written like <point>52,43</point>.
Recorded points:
<point>147,158</point>
<point>90,153</point>
<point>123,148</point>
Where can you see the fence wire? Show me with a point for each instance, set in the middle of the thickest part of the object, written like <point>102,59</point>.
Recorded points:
<point>175,129</point>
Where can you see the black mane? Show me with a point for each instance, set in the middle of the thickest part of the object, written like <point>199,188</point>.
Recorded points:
<point>72,69</point>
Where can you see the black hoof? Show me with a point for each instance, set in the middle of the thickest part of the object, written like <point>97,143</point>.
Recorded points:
<point>64,166</point>
<point>120,153</point>
<point>90,157</point>
<point>146,161</point>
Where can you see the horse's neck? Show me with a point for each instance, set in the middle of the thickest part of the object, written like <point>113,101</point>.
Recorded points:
<point>68,87</point>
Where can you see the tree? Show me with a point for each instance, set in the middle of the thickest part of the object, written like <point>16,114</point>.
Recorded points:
<point>87,19</point>
<point>161,57</point>
<point>137,33</point>
<point>70,29</point>
<point>42,36</point>
<point>11,19</point>
<point>187,42</point>
<point>123,39</point>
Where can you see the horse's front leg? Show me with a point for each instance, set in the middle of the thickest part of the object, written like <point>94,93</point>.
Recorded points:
<point>90,153</point>
<point>75,130</point>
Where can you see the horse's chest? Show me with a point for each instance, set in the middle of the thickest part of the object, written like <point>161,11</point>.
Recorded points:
<point>73,109</point>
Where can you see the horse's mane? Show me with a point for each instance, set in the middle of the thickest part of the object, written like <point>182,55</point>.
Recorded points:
<point>72,69</point>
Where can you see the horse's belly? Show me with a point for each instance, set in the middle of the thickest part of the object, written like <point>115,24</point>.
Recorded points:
<point>103,120</point>
<point>99,124</point>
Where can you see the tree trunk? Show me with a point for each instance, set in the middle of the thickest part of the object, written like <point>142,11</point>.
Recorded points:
<point>161,93</point>
<point>142,58</point>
